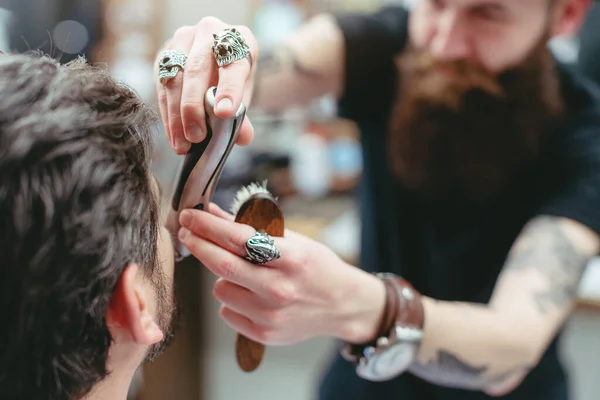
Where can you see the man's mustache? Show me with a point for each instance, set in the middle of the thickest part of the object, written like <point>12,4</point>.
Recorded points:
<point>463,75</point>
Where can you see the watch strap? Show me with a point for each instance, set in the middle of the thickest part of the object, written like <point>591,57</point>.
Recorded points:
<point>409,309</point>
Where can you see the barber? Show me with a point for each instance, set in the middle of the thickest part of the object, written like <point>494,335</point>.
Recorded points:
<point>479,200</point>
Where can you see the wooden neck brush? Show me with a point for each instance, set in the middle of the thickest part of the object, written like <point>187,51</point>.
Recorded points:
<point>255,206</point>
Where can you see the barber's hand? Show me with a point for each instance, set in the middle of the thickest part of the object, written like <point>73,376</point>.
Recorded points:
<point>309,291</point>
<point>181,100</point>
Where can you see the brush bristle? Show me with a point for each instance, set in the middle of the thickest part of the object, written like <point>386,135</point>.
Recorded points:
<point>245,193</point>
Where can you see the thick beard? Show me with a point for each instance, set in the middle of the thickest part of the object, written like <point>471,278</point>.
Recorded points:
<point>470,134</point>
<point>168,313</point>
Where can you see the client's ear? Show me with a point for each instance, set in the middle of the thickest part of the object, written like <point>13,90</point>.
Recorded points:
<point>128,312</point>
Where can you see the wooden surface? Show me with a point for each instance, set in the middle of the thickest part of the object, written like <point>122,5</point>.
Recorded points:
<point>588,304</point>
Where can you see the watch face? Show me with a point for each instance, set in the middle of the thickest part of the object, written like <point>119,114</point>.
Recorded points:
<point>388,363</point>
<point>394,359</point>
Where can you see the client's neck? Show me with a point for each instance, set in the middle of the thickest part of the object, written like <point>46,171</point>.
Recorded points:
<point>113,387</point>
<point>116,385</point>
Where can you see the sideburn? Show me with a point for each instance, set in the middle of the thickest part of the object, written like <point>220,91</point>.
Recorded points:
<point>470,134</point>
<point>168,313</point>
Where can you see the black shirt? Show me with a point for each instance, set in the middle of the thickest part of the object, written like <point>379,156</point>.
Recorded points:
<point>452,250</point>
<point>589,45</point>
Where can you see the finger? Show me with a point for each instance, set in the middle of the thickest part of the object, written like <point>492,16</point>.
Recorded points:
<point>243,301</point>
<point>164,113</point>
<point>231,236</point>
<point>230,90</point>
<point>182,40</point>
<point>246,134</point>
<point>200,73</point>
<point>224,264</point>
<point>162,99</point>
<point>219,212</point>
<point>242,324</point>
<point>266,283</point>
<point>294,236</point>
<point>233,78</point>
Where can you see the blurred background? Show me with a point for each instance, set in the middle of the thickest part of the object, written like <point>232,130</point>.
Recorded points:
<point>315,185</point>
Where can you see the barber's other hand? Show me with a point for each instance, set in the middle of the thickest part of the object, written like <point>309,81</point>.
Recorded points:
<point>309,291</point>
<point>181,100</point>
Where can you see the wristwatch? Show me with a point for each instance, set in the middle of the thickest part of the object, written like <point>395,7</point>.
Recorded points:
<point>399,336</point>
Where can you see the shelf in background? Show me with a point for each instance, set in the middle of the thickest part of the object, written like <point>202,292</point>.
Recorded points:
<point>588,304</point>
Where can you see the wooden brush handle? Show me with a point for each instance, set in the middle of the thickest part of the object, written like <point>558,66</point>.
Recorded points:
<point>261,212</point>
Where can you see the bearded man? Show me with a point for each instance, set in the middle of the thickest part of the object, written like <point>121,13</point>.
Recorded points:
<point>479,200</point>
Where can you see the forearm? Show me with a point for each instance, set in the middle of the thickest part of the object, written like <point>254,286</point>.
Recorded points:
<point>465,345</point>
<point>305,66</point>
<point>491,347</point>
<point>472,346</point>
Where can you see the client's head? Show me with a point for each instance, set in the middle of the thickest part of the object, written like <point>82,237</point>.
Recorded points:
<point>86,268</point>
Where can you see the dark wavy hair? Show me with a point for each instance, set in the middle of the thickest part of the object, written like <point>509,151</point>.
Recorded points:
<point>77,204</point>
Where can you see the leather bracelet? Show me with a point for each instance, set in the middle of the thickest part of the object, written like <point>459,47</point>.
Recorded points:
<point>410,307</point>
<point>390,310</point>
<point>403,307</point>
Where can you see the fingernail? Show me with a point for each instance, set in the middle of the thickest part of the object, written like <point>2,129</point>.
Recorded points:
<point>185,218</point>
<point>194,133</point>
<point>183,234</point>
<point>181,146</point>
<point>224,104</point>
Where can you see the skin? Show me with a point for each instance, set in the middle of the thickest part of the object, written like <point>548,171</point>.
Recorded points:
<point>496,35</point>
<point>310,291</point>
<point>132,321</point>
<point>309,63</point>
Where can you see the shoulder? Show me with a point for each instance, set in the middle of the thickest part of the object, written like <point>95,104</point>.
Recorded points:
<point>582,99</point>
<point>573,173</point>
<point>388,23</point>
<point>371,40</point>
<point>579,134</point>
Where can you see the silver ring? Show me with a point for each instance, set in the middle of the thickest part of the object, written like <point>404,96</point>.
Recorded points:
<point>261,249</point>
<point>230,46</point>
<point>170,63</point>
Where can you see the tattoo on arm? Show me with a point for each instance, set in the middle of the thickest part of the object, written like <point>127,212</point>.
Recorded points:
<point>277,61</point>
<point>449,370</point>
<point>547,248</point>
<point>281,59</point>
